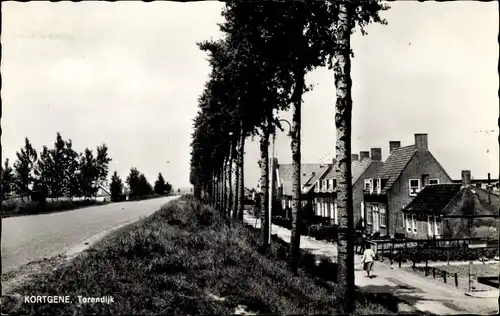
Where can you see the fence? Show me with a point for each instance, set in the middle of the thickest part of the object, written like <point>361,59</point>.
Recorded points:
<point>434,250</point>
<point>437,273</point>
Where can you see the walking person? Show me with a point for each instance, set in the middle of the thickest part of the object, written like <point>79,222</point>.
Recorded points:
<point>368,259</point>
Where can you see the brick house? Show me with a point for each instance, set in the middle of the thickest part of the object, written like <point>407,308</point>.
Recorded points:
<point>427,214</point>
<point>362,166</point>
<point>283,181</point>
<point>397,182</point>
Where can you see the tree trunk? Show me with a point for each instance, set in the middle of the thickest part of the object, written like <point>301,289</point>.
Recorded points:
<point>242,177</point>
<point>236,181</point>
<point>230,180</point>
<point>219,194</point>
<point>264,180</point>
<point>296,160</point>
<point>343,114</point>
<point>224,189</point>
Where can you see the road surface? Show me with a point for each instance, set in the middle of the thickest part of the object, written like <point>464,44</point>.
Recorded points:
<point>35,237</point>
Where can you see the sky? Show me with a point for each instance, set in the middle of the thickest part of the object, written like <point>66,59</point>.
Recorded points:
<point>129,74</point>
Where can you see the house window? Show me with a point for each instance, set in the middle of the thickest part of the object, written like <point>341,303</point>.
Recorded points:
<point>375,185</point>
<point>334,183</point>
<point>437,227</point>
<point>379,185</point>
<point>362,212</point>
<point>324,185</point>
<point>369,214</point>
<point>381,209</point>
<point>414,223</point>
<point>368,184</point>
<point>408,222</point>
<point>414,187</point>
<point>336,214</point>
<point>429,225</point>
<point>434,181</point>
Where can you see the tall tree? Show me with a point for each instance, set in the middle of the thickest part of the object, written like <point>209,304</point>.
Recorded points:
<point>348,15</point>
<point>160,185</point>
<point>116,187</point>
<point>72,176</point>
<point>24,173</point>
<point>133,182</point>
<point>45,175</point>
<point>88,174</point>
<point>102,164</point>
<point>7,180</point>
<point>58,168</point>
<point>168,188</point>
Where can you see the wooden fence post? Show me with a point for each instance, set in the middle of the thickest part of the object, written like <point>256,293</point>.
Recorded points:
<point>444,276</point>
<point>414,255</point>
<point>456,279</point>
<point>427,266</point>
<point>382,252</point>
<point>400,257</point>
<point>392,250</point>
<point>448,255</point>
<point>434,272</point>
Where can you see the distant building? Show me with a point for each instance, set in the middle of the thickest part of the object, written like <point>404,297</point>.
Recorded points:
<point>283,183</point>
<point>103,194</point>
<point>325,195</point>
<point>437,209</point>
<point>397,182</point>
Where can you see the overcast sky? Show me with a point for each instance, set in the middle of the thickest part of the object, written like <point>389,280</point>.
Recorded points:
<point>128,74</point>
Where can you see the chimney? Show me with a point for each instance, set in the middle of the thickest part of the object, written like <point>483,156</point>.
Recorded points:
<point>313,173</point>
<point>354,157</point>
<point>364,154</point>
<point>376,154</point>
<point>421,142</point>
<point>394,145</point>
<point>466,178</point>
<point>489,178</point>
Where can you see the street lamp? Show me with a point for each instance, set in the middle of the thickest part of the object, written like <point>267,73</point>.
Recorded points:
<point>271,179</point>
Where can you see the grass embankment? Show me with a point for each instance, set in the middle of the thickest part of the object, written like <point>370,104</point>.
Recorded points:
<point>185,259</point>
<point>19,208</point>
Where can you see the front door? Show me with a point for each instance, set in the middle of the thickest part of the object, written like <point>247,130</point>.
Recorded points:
<point>376,219</point>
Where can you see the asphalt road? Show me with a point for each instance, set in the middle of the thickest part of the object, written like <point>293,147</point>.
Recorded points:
<point>35,237</point>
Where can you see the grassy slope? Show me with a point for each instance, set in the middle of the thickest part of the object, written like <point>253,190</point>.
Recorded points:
<point>170,262</point>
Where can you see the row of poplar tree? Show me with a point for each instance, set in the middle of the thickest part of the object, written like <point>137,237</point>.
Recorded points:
<point>258,68</point>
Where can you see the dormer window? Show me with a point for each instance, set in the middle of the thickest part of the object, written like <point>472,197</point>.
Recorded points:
<point>368,184</point>
<point>414,186</point>
<point>434,181</point>
<point>376,185</point>
<point>379,185</point>
<point>324,185</point>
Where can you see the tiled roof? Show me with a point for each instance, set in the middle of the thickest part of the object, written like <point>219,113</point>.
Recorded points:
<point>357,169</point>
<point>317,176</point>
<point>307,169</point>
<point>433,198</point>
<point>395,164</point>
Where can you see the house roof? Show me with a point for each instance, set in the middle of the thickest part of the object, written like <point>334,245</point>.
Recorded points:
<point>317,176</point>
<point>307,169</point>
<point>395,164</point>
<point>433,198</point>
<point>102,191</point>
<point>358,167</point>
<point>447,199</point>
